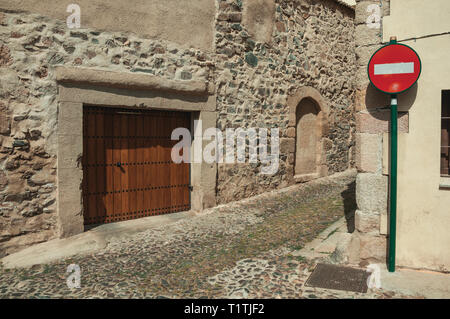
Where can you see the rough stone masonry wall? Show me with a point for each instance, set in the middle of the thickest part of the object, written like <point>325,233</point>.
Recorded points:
<point>30,47</point>
<point>311,44</point>
<point>372,125</point>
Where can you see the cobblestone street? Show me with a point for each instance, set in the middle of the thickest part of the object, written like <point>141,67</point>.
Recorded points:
<point>239,250</point>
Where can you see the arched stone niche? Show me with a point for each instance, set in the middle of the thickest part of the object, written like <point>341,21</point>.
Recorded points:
<point>308,115</point>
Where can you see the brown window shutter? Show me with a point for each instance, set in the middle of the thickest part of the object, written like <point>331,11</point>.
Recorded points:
<point>445,133</point>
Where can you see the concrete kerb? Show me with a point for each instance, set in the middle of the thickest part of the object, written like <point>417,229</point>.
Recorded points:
<point>419,283</point>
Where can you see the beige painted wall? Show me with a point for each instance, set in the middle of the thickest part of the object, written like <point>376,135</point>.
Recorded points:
<point>187,22</point>
<point>417,18</point>
<point>423,236</point>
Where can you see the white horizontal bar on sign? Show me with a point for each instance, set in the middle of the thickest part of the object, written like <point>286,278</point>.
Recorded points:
<point>394,68</point>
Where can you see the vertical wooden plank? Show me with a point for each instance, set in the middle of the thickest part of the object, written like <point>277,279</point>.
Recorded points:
<point>85,184</point>
<point>132,194</point>
<point>172,167</point>
<point>175,169</point>
<point>117,170</point>
<point>109,167</point>
<point>152,133</point>
<point>165,157</point>
<point>91,172</point>
<point>140,161</point>
<point>185,173</point>
<point>125,166</point>
<point>162,173</point>
<point>149,167</point>
<point>100,167</point>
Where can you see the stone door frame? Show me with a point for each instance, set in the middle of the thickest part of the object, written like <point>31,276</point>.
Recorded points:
<point>79,86</point>
<point>293,103</point>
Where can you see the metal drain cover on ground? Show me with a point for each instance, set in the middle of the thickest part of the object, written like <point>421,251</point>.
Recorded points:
<point>339,278</point>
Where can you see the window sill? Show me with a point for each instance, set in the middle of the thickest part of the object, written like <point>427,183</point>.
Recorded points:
<point>444,182</point>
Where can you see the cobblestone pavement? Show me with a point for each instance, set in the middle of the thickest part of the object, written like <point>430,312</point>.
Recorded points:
<point>239,250</point>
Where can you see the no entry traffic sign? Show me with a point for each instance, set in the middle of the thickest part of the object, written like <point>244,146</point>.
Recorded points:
<point>394,68</point>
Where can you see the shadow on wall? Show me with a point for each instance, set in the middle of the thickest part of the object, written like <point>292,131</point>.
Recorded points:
<point>378,103</point>
<point>378,106</point>
<point>349,199</point>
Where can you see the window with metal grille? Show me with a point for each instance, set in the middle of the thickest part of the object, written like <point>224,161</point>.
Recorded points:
<point>445,133</point>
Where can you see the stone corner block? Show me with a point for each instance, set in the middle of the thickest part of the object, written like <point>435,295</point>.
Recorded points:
<point>368,153</point>
<point>367,36</point>
<point>372,248</point>
<point>366,222</point>
<point>371,192</point>
<point>377,122</point>
<point>362,11</point>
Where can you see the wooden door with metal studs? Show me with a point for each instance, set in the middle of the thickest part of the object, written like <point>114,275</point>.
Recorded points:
<point>128,172</point>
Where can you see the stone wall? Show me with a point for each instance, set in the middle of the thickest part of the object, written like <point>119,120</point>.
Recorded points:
<point>372,120</point>
<point>170,20</point>
<point>311,44</point>
<point>31,47</point>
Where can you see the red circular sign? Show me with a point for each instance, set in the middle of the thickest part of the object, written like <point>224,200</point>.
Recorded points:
<point>394,68</point>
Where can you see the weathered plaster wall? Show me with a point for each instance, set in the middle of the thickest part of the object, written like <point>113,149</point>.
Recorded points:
<point>423,209</point>
<point>311,44</point>
<point>187,22</point>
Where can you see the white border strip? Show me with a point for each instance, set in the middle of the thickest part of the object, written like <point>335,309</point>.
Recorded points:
<point>394,68</point>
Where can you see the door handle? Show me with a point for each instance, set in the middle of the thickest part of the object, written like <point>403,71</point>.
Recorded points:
<point>118,164</point>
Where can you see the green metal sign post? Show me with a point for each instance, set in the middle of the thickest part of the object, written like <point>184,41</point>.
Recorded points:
<point>394,69</point>
<point>393,184</point>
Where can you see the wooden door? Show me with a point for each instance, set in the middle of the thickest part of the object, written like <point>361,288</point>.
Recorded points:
<point>127,168</point>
